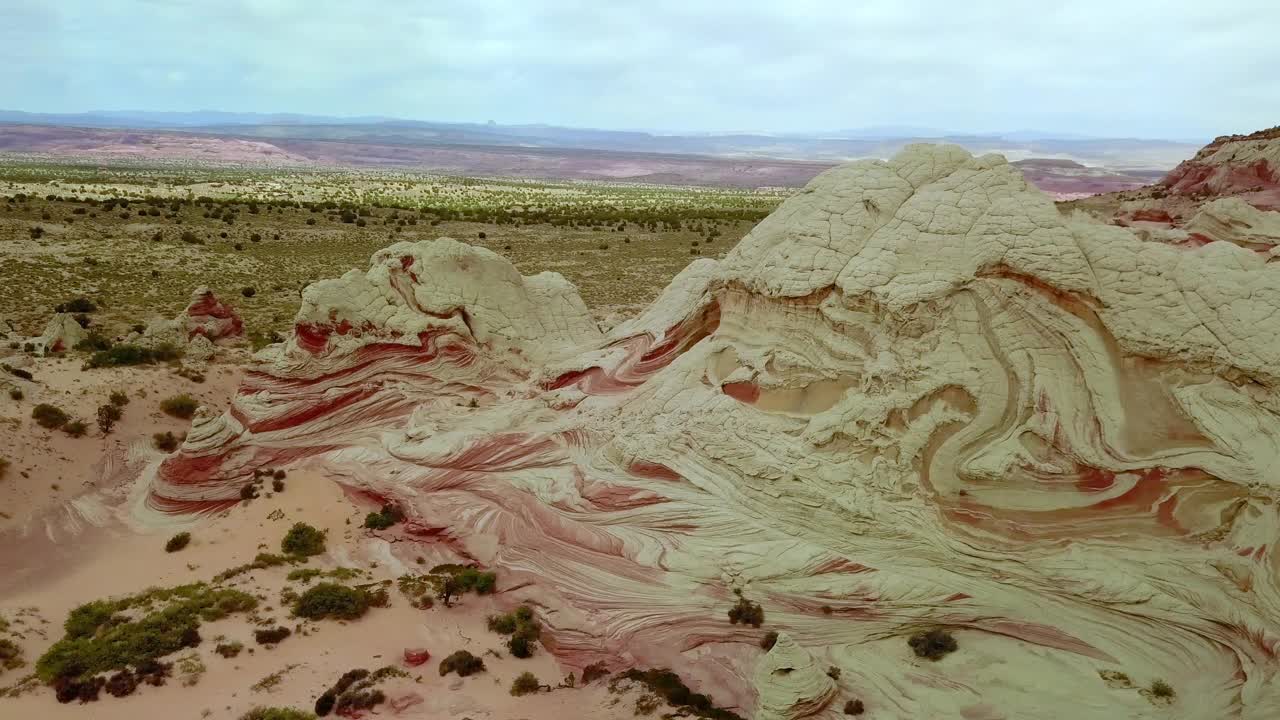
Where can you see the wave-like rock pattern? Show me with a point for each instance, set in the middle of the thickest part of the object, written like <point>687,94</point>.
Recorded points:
<point>915,396</point>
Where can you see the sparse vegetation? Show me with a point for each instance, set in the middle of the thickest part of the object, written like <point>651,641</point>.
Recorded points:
<point>668,686</point>
<point>355,691</point>
<point>98,638</point>
<point>229,649</point>
<point>933,644</point>
<point>524,684</point>
<point>521,626</point>
<point>180,406</point>
<point>386,517</point>
<point>747,613</point>
<point>1162,689</point>
<point>271,636</point>
<point>331,600</point>
<point>125,354</point>
<point>854,707</point>
<point>461,662</point>
<point>177,542</point>
<point>165,441</point>
<point>276,713</point>
<point>49,417</point>
<point>302,540</point>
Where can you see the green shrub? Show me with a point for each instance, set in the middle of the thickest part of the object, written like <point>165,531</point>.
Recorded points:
<point>524,684</point>
<point>10,655</point>
<point>49,417</point>
<point>99,638</point>
<point>461,662</point>
<point>75,428</point>
<point>271,636</point>
<point>331,600</point>
<point>180,406</point>
<point>302,540</point>
<point>165,441</point>
<point>93,342</point>
<point>229,649</point>
<point>385,518</point>
<point>177,542</point>
<point>125,354</point>
<point>108,415</point>
<point>119,398</point>
<point>670,687</point>
<point>276,713</point>
<point>77,305</point>
<point>521,626</point>
<point>933,644</point>
<point>747,613</point>
<point>1162,689</point>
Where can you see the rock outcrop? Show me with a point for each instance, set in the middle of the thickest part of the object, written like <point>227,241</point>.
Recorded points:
<point>917,395</point>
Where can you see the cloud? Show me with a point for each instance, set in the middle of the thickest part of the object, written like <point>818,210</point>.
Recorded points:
<point>1155,69</point>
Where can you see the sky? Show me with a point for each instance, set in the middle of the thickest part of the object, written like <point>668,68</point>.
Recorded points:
<point>1184,69</point>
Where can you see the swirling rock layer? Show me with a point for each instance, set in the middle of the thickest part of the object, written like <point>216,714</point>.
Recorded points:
<point>915,396</point>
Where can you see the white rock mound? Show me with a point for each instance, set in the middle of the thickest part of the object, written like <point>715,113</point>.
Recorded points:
<point>914,396</point>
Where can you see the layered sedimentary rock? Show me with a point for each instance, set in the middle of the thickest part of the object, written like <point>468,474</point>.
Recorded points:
<point>916,396</point>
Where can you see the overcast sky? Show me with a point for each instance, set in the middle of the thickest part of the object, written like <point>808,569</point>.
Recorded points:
<point>1167,68</point>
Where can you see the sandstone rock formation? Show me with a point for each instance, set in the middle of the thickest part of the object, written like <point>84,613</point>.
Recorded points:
<point>205,323</point>
<point>917,395</point>
<point>1244,169</point>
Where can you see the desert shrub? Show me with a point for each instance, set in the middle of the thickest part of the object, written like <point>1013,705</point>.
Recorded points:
<point>10,655</point>
<point>670,687</point>
<point>271,636</point>
<point>747,613</point>
<point>166,441</point>
<point>4,467</point>
<point>854,707</point>
<point>100,639</point>
<point>302,540</point>
<point>255,237</point>
<point>229,649</point>
<point>119,398</point>
<point>385,518</point>
<point>453,580</point>
<point>521,626</point>
<point>190,238</point>
<point>1162,689</point>
<point>77,305</point>
<point>19,373</point>
<point>461,662</point>
<point>277,485</point>
<point>177,542</point>
<point>126,354</point>
<point>593,672</point>
<point>107,416</point>
<point>122,684</point>
<point>769,640</point>
<point>260,562</point>
<point>248,291</point>
<point>16,394</point>
<point>276,713</point>
<point>331,600</point>
<point>933,644</point>
<point>75,428</point>
<point>95,341</point>
<point>49,417</point>
<point>180,406</point>
<point>524,684</point>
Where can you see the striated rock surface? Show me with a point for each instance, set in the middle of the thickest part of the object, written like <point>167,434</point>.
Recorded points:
<point>915,396</point>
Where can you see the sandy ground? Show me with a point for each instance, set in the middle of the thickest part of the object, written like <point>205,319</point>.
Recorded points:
<point>48,467</point>
<point>46,574</point>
